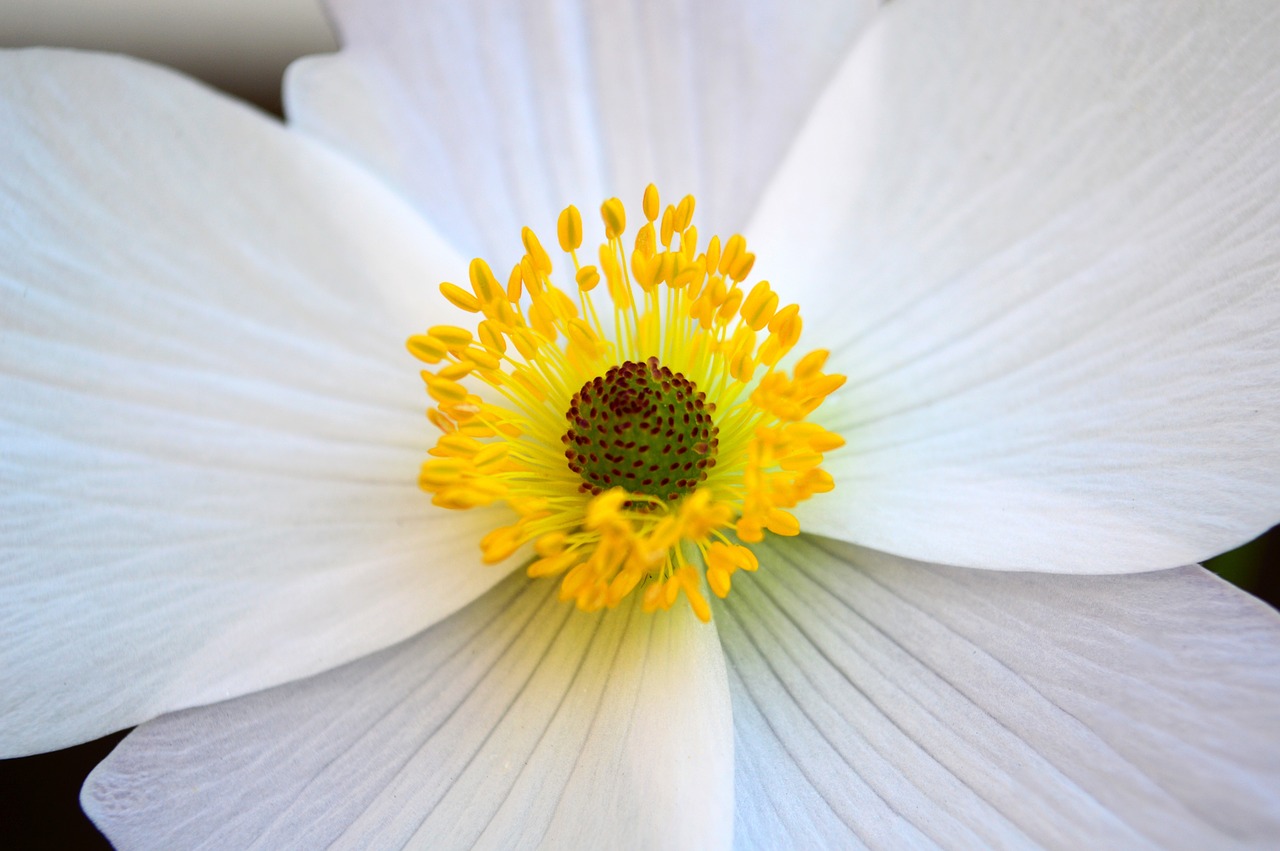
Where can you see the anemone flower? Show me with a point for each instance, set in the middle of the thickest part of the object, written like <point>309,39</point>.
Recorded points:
<point>1040,242</point>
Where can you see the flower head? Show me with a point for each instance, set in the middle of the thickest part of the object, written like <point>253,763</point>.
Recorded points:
<point>622,440</point>
<point>1039,240</point>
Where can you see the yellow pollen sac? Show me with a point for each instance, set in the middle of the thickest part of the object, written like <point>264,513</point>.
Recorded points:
<point>644,433</point>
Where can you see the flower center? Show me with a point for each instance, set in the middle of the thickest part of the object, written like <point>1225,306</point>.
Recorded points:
<point>644,490</point>
<point>641,427</point>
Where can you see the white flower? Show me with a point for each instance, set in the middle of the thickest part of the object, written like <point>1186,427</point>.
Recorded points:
<point>1041,242</point>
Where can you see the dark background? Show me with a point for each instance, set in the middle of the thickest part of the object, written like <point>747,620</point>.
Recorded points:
<point>39,795</point>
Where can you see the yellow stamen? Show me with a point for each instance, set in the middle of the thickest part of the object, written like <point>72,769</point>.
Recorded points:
<point>642,432</point>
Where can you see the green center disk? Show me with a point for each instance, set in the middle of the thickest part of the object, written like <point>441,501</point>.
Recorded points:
<point>643,428</point>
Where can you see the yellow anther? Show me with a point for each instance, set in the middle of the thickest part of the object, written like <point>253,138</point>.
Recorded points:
<point>587,278</point>
<point>810,366</point>
<point>440,421</point>
<point>622,585</point>
<point>500,310</point>
<point>694,288</point>
<point>824,385</point>
<point>668,227</point>
<point>460,298</point>
<point>644,269</point>
<point>781,522</point>
<point>472,493</point>
<point>483,283</point>
<point>702,310</point>
<point>426,349</point>
<point>744,558</point>
<point>786,325</point>
<point>749,529</point>
<point>716,292</point>
<point>713,254</point>
<point>445,390</point>
<point>580,333</point>
<point>718,555</point>
<point>490,334</point>
<point>501,543</point>
<point>439,472</point>
<point>569,229</point>
<point>730,306</point>
<point>741,266</point>
<point>816,481</point>
<point>652,599</point>
<point>491,457</point>
<point>456,446</point>
<point>529,277</point>
<point>782,317</point>
<point>455,371</point>
<point>814,436</point>
<point>615,218</point>
<point>733,249</point>
<point>759,306</point>
<point>605,509</point>
<point>651,203</point>
<point>718,579</point>
<point>688,579</point>
<point>686,272</point>
<point>742,365</point>
<point>533,247</point>
<point>451,335</point>
<point>646,241</point>
<point>593,599</point>
<point>684,213</point>
<point>475,428</point>
<point>801,461</point>
<point>575,582</point>
<point>553,564</point>
<point>515,284</point>
<point>667,269</point>
<point>670,592</point>
<point>552,543</point>
<point>699,514</point>
<point>480,358</point>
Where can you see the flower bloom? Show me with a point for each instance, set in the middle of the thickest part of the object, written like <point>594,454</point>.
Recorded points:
<point>1040,244</point>
<point>614,462</point>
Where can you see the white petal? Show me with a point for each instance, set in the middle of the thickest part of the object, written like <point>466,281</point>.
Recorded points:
<point>211,429</point>
<point>494,115</point>
<point>1042,243</point>
<point>893,702</point>
<point>518,722</point>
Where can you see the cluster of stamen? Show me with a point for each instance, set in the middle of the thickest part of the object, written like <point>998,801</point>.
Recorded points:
<point>645,452</point>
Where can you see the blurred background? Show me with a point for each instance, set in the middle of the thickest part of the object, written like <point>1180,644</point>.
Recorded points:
<point>243,47</point>
<point>240,46</point>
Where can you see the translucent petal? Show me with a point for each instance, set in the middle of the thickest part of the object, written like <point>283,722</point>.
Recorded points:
<point>519,721</point>
<point>494,115</point>
<point>882,702</point>
<point>1042,243</point>
<point>211,429</point>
